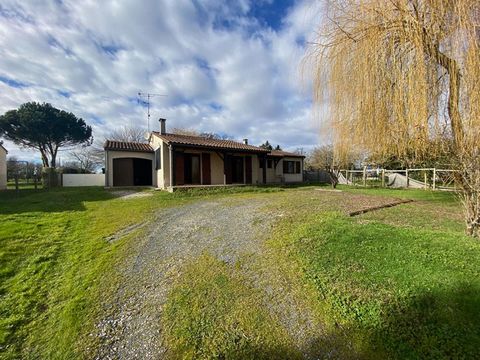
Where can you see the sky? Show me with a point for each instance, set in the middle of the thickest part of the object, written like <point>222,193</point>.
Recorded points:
<point>229,67</point>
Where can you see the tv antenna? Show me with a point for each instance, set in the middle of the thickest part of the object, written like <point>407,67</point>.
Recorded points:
<point>145,98</point>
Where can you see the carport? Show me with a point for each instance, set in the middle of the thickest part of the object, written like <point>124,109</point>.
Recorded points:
<point>128,164</point>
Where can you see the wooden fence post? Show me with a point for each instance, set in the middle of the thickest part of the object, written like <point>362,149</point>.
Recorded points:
<point>434,178</point>
<point>383,177</point>
<point>406,174</point>
<point>365,176</point>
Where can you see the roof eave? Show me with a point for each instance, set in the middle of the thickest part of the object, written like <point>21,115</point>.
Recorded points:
<point>218,148</point>
<point>130,150</point>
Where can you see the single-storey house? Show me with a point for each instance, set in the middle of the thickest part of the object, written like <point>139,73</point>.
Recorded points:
<point>169,161</point>
<point>3,167</point>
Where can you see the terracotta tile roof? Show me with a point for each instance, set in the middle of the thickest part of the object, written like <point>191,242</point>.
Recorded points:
<point>198,141</point>
<point>280,153</point>
<point>126,146</point>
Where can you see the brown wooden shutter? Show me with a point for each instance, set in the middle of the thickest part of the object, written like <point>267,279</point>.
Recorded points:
<point>248,169</point>
<point>179,168</point>
<point>206,169</point>
<point>228,168</point>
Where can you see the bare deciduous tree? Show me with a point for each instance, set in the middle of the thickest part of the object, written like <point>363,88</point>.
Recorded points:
<point>89,159</point>
<point>206,135</point>
<point>128,133</point>
<point>323,158</point>
<point>400,74</point>
<point>185,131</point>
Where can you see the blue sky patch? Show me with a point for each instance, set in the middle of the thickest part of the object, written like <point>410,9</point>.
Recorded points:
<point>63,93</point>
<point>216,106</point>
<point>111,50</point>
<point>271,13</point>
<point>13,83</point>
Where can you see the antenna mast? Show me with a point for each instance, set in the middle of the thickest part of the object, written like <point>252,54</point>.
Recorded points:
<point>147,96</point>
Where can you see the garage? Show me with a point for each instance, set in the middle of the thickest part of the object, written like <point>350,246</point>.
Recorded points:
<point>129,164</point>
<point>132,172</point>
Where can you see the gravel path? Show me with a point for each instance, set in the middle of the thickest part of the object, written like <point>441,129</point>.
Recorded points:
<point>224,228</point>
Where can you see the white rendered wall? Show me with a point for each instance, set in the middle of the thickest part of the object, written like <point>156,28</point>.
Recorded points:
<point>83,180</point>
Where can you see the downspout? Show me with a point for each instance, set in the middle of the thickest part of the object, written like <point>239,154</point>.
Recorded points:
<point>170,155</point>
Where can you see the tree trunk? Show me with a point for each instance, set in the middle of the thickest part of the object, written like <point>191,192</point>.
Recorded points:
<point>333,177</point>
<point>44,158</point>
<point>471,201</point>
<point>469,181</point>
<point>451,67</point>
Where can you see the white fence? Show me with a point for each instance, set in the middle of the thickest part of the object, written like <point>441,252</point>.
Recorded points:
<point>83,180</point>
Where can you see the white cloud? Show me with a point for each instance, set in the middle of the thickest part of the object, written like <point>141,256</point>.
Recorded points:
<point>221,70</point>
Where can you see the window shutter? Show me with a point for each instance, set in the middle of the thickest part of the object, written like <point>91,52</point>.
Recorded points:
<point>158,159</point>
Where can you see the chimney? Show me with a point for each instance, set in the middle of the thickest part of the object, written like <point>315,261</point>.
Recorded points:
<point>163,126</point>
<point>245,141</point>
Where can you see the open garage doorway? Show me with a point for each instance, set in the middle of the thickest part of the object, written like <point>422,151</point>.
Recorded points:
<point>132,172</point>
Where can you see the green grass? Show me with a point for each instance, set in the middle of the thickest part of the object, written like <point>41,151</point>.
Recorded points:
<point>402,282</point>
<point>24,185</point>
<point>441,197</point>
<point>212,313</point>
<point>395,282</point>
<point>55,262</point>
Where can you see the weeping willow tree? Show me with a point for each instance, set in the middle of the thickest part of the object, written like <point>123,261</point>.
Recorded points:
<point>402,77</point>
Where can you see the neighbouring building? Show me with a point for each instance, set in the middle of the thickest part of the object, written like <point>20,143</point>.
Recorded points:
<point>169,161</point>
<point>3,167</point>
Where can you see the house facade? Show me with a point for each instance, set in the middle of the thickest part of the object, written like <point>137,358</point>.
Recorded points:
<point>3,167</point>
<point>171,161</point>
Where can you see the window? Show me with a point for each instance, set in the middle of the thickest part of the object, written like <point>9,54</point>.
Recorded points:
<point>269,164</point>
<point>158,159</point>
<point>291,167</point>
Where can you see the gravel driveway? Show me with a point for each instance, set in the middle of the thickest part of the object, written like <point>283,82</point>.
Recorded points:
<point>229,229</point>
<point>224,228</point>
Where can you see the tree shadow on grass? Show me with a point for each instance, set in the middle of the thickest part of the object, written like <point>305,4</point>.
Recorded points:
<point>433,325</point>
<point>54,200</point>
<point>442,324</point>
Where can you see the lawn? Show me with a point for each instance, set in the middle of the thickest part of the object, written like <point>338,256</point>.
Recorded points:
<point>402,282</point>
<point>53,251</point>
